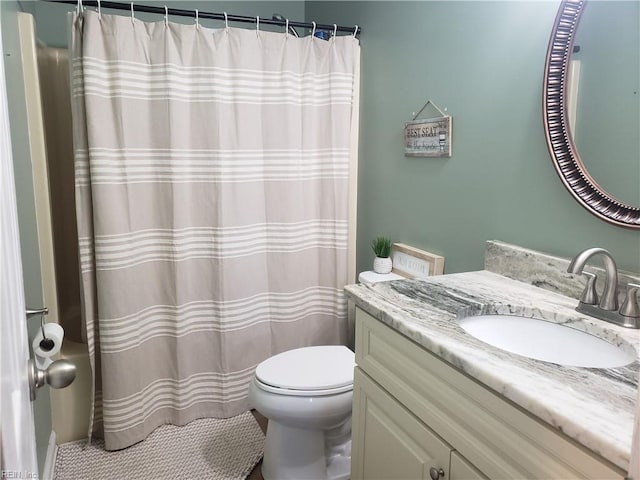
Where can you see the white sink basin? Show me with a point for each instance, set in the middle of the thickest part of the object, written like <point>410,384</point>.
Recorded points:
<point>547,341</point>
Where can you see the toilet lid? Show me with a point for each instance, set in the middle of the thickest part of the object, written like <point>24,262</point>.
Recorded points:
<point>309,368</point>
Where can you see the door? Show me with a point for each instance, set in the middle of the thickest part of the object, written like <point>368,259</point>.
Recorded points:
<point>17,447</point>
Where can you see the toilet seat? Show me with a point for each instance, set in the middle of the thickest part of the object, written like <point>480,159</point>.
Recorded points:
<point>308,371</point>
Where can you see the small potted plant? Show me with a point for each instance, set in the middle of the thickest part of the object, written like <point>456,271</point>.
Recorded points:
<point>382,248</point>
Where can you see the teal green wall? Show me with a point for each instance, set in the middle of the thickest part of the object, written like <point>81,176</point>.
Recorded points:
<point>26,203</point>
<point>484,62</point>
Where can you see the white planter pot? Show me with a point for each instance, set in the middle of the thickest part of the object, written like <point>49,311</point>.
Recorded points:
<point>382,265</point>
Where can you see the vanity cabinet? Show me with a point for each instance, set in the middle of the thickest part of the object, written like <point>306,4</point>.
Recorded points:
<point>461,469</point>
<point>393,444</point>
<point>414,412</point>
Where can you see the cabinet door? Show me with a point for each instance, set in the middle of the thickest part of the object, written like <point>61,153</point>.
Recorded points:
<point>389,442</point>
<point>461,469</point>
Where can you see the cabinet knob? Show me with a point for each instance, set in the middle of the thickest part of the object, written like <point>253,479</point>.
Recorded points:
<point>436,473</point>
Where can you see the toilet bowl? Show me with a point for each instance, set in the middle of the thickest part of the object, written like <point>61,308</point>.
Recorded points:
<point>306,394</point>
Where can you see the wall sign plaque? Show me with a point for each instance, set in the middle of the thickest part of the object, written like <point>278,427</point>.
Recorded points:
<point>430,137</point>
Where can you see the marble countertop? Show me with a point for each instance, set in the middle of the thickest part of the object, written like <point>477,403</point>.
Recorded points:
<point>594,406</point>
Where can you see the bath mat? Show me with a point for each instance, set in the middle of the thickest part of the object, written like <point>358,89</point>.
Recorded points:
<point>208,448</point>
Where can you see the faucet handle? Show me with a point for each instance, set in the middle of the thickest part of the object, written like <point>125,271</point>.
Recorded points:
<point>630,307</point>
<point>589,295</point>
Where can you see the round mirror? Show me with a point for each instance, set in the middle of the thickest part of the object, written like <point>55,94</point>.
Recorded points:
<point>592,90</point>
<point>604,80</point>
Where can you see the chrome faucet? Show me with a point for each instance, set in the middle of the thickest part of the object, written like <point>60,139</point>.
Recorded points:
<point>607,308</point>
<point>609,300</point>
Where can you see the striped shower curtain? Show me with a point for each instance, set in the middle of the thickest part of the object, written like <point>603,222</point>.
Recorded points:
<point>212,188</point>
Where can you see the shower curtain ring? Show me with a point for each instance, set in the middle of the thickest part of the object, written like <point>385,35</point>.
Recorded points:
<point>99,11</point>
<point>335,30</point>
<point>132,15</point>
<point>79,7</point>
<point>226,22</point>
<point>166,16</point>
<point>313,32</point>
<point>197,19</point>
<point>355,32</point>
<point>258,25</point>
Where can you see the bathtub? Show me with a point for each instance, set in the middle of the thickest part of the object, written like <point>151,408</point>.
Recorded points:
<point>70,406</point>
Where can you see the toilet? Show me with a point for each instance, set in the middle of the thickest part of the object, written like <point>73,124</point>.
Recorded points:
<point>306,394</point>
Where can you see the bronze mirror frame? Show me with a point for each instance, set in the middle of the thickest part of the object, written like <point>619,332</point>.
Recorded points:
<point>564,154</point>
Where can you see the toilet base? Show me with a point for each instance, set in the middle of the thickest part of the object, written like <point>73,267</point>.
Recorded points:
<point>299,454</point>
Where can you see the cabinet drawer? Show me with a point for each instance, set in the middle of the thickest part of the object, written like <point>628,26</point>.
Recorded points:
<point>500,439</point>
<point>388,441</point>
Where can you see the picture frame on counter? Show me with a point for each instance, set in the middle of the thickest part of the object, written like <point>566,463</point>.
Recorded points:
<point>411,262</point>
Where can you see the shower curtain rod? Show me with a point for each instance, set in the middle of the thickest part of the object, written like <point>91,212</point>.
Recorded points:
<point>214,16</point>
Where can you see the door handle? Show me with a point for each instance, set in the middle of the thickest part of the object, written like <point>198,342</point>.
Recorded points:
<point>59,374</point>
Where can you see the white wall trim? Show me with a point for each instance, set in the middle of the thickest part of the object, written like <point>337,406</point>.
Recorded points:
<point>49,468</point>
